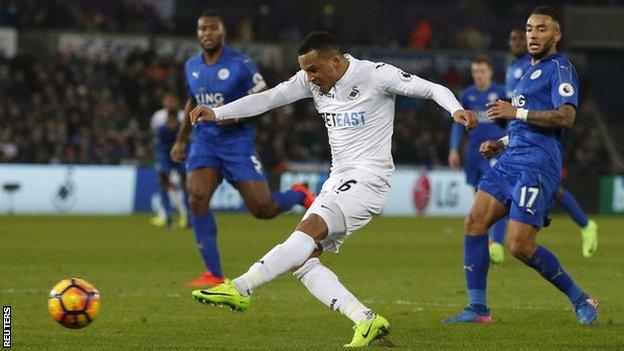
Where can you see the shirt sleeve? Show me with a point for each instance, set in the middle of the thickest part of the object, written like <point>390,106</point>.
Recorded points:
<point>457,134</point>
<point>564,85</point>
<point>457,130</point>
<point>395,81</point>
<point>252,79</point>
<point>296,88</point>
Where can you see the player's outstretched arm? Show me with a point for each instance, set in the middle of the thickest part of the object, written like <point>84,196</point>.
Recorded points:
<point>563,117</point>
<point>396,81</point>
<point>296,88</point>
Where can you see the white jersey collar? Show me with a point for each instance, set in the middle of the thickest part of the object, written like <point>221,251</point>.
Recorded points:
<point>344,80</point>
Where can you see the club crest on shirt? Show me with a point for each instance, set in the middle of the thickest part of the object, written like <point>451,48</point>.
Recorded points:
<point>566,89</point>
<point>355,93</point>
<point>492,96</point>
<point>195,74</point>
<point>223,73</point>
<point>536,74</point>
<point>518,73</point>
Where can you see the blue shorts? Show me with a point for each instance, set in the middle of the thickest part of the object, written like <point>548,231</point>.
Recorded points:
<point>528,195</point>
<point>236,158</point>
<point>475,168</point>
<point>164,164</point>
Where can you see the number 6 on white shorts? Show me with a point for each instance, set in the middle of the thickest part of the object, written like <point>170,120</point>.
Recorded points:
<point>533,192</point>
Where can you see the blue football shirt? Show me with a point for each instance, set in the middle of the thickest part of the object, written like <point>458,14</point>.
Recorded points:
<point>514,72</point>
<point>231,77</point>
<point>546,85</point>
<point>476,100</point>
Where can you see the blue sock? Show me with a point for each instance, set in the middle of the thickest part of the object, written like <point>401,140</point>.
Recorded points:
<point>287,199</point>
<point>572,207</point>
<point>206,237</point>
<point>547,265</point>
<point>497,231</point>
<point>164,197</point>
<point>476,265</point>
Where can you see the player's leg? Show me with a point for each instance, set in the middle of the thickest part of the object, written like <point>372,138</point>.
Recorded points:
<point>589,228</point>
<point>475,169</point>
<point>323,226</point>
<point>185,209</point>
<point>165,185</point>
<point>523,246</point>
<point>485,211</point>
<point>264,205</point>
<point>201,184</point>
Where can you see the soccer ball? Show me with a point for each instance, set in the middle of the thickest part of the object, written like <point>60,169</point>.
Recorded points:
<point>74,303</point>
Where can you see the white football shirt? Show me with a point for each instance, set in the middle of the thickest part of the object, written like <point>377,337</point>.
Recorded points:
<point>358,111</point>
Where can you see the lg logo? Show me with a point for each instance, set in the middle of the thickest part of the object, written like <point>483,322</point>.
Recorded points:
<point>518,101</point>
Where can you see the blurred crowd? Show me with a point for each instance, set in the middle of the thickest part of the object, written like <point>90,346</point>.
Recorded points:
<point>73,110</point>
<point>419,25</point>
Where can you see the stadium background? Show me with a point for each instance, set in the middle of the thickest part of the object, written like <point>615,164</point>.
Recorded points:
<point>80,80</point>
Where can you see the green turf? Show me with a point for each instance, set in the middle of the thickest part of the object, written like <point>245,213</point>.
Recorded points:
<point>408,270</point>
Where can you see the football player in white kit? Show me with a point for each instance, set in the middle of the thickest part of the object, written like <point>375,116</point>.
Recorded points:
<point>355,99</point>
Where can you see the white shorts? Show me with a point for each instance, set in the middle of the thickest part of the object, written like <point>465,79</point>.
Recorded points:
<point>348,201</point>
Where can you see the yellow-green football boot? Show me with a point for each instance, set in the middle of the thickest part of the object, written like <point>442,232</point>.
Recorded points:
<point>369,331</point>
<point>590,238</point>
<point>223,295</point>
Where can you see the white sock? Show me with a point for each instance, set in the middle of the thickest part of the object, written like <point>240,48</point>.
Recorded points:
<point>326,287</point>
<point>291,253</point>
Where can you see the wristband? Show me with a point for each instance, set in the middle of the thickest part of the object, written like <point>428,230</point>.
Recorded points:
<point>522,114</point>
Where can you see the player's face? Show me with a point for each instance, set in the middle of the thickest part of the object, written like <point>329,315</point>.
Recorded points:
<point>481,74</point>
<point>517,42</point>
<point>542,35</point>
<point>321,69</point>
<point>210,33</point>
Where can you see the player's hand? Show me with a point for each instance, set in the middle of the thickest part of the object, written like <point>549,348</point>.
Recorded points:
<point>202,113</point>
<point>454,159</point>
<point>466,118</point>
<point>500,109</point>
<point>491,148</point>
<point>178,151</point>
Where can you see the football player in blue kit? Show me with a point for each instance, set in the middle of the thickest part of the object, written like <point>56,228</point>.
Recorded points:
<point>523,183</point>
<point>475,97</point>
<point>165,133</point>
<point>515,71</point>
<point>216,76</point>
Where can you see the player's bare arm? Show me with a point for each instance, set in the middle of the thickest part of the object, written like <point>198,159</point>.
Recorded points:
<point>178,151</point>
<point>563,117</point>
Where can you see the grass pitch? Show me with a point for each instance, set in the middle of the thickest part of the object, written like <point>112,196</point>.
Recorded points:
<point>407,269</point>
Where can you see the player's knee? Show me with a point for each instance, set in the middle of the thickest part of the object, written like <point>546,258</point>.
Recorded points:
<point>474,224</point>
<point>521,248</point>
<point>262,210</point>
<point>314,226</point>
<point>199,201</point>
